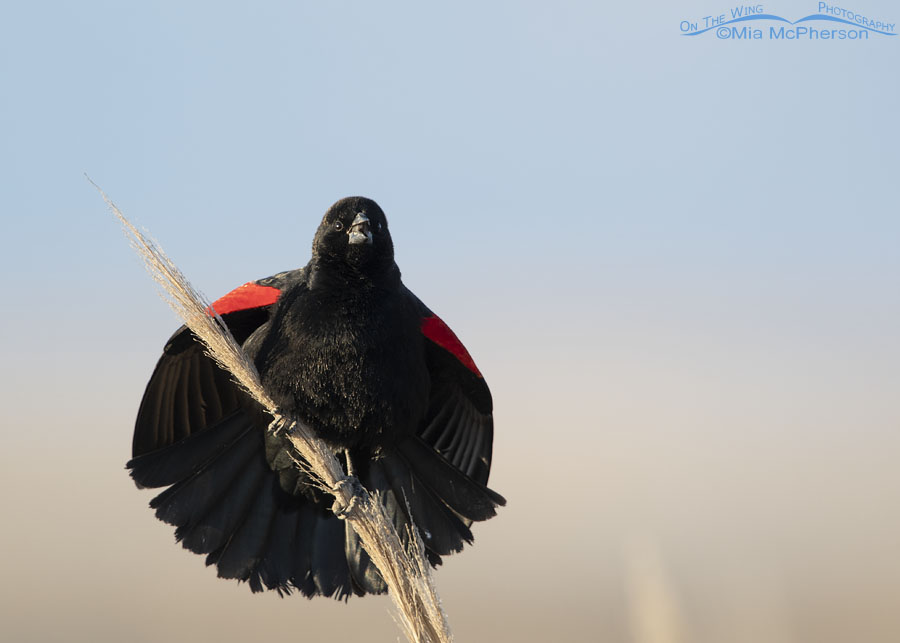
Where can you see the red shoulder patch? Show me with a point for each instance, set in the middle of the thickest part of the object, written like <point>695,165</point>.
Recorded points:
<point>250,295</point>
<point>437,331</point>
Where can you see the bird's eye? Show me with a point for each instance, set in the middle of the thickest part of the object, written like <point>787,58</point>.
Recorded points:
<point>338,226</point>
<point>379,225</point>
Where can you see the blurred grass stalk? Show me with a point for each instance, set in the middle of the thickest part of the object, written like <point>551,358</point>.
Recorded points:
<point>655,616</point>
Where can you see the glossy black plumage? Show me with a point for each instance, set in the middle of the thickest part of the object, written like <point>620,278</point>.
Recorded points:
<point>342,344</point>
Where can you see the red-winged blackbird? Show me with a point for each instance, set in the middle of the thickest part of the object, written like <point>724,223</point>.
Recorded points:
<point>344,346</point>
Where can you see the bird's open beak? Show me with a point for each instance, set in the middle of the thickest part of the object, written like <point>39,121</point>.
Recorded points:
<point>359,230</point>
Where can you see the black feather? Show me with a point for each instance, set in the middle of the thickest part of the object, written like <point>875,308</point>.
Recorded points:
<point>440,528</point>
<point>178,461</point>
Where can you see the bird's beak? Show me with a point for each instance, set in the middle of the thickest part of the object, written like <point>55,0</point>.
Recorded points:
<point>359,230</point>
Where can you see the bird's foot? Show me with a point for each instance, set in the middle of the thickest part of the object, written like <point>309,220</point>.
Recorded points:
<point>350,485</point>
<point>279,426</point>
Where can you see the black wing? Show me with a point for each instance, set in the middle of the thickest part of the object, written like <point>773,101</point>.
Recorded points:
<point>199,435</point>
<point>459,423</point>
<point>188,391</point>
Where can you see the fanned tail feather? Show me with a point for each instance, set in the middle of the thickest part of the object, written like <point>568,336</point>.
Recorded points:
<point>226,502</point>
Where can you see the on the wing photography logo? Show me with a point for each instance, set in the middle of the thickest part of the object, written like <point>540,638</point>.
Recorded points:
<point>752,22</point>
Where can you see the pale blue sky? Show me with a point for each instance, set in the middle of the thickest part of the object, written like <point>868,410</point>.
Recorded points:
<point>648,242</point>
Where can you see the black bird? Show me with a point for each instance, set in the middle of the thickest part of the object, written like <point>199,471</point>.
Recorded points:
<point>344,346</point>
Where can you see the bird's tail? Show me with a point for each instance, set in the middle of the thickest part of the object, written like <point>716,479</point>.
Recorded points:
<point>227,503</point>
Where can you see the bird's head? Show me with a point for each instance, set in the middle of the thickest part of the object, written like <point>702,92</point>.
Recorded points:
<point>354,234</point>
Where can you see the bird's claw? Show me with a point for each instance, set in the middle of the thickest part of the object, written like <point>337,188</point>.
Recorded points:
<point>342,508</point>
<point>279,426</point>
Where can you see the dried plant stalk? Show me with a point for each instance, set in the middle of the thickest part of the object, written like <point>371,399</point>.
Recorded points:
<point>405,570</point>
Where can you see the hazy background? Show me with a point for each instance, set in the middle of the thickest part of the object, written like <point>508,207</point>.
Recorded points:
<point>675,260</point>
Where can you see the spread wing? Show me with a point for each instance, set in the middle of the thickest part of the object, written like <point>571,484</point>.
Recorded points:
<point>459,423</point>
<point>199,435</point>
<point>188,391</point>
